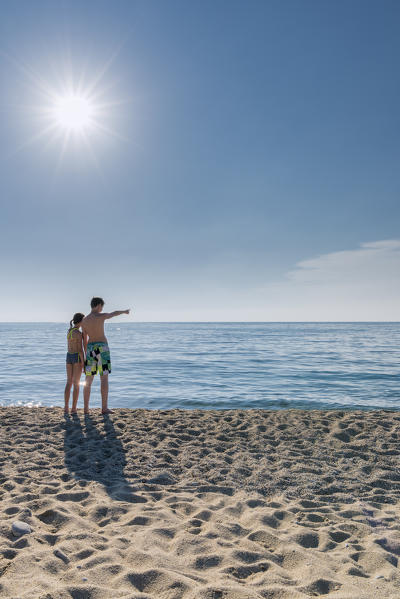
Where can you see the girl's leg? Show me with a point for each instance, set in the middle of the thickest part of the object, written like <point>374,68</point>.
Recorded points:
<point>68,386</point>
<point>76,377</point>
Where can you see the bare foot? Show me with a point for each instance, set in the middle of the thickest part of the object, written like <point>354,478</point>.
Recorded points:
<point>74,411</point>
<point>107,411</point>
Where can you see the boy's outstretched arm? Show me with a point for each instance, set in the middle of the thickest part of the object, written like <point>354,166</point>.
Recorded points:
<point>115,313</point>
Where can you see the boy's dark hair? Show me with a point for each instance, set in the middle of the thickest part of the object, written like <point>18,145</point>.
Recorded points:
<point>96,301</point>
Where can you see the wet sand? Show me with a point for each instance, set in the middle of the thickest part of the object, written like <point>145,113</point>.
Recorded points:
<point>200,504</point>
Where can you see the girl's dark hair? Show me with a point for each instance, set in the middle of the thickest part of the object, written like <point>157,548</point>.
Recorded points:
<point>76,319</point>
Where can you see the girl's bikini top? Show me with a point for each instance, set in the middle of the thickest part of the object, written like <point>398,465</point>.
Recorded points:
<point>69,334</point>
<point>72,347</point>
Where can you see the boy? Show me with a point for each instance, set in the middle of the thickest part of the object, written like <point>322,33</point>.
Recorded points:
<point>97,351</point>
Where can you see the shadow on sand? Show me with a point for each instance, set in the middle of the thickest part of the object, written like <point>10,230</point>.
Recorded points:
<point>93,451</point>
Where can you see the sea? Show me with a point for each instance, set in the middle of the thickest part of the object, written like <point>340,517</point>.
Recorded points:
<point>214,365</point>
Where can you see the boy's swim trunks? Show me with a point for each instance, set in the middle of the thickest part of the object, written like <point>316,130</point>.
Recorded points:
<point>97,359</point>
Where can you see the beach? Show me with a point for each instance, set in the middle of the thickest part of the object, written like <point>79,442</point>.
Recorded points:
<point>208,504</point>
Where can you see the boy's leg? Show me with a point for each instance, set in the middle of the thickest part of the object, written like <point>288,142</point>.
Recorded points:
<point>86,393</point>
<point>91,366</point>
<point>104,370</point>
<point>104,392</point>
<point>68,386</point>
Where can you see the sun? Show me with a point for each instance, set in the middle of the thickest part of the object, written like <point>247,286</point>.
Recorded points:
<point>72,110</point>
<point>74,113</point>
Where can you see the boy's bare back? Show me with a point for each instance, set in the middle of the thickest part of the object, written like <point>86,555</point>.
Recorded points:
<point>93,326</point>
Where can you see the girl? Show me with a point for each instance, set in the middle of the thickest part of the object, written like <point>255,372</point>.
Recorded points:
<point>75,361</point>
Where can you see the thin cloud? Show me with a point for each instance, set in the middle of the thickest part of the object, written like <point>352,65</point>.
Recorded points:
<point>359,284</point>
<point>375,259</point>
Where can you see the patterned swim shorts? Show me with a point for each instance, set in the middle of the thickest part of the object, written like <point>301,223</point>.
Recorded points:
<point>97,359</point>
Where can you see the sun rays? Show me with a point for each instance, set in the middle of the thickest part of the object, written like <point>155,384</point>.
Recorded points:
<point>65,110</point>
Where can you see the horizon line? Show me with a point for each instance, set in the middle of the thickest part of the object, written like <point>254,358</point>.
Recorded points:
<point>216,322</point>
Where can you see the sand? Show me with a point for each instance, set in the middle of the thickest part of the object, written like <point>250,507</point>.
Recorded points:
<point>213,504</point>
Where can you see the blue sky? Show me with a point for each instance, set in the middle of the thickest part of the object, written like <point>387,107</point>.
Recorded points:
<point>246,143</point>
